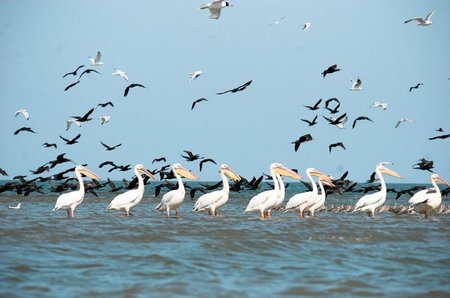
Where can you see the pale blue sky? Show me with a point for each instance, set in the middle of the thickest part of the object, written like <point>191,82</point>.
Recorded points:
<point>158,43</point>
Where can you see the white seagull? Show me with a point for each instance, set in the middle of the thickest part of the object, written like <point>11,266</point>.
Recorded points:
<point>306,26</point>
<point>72,121</point>
<point>422,22</point>
<point>356,85</point>
<point>403,120</point>
<point>215,7</point>
<point>15,207</point>
<point>427,200</point>
<point>96,61</point>
<point>378,104</point>
<point>120,73</point>
<point>23,112</point>
<point>195,74</point>
<point>105,119</point>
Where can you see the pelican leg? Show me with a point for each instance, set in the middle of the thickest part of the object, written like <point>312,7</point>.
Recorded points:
<point>177,213</point>
<point>425,215</point>
<point>167,212</point>
<point>72,213</point>
<point>68,213</point>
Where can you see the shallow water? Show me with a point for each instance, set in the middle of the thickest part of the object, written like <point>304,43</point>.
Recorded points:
<point>103,253</point>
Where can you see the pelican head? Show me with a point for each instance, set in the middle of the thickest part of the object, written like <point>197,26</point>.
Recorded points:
<point>182,171</point>
<point>140,168</point>
<point>229,172</point>
<point>384,170</point>
<point>437,178</point>
<point>284,171</point>
<point>86,172</point>
<point>327,179</point>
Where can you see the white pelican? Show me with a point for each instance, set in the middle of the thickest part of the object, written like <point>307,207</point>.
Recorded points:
<point>265,201</point>
<point>215,7</point>
<point>96,61</point>
<point>174,198</point>
<point>195,74</point>
<point>302,201</point>
<point>356,85</point>
<point>131,198</point>
<point>120,73</point>
<point>375,200</point>
<point>320,198</point>
<point>23,112</point>
<point>15,207</point>
<point>428,200</point>
<point>71,200</point>
<point>212,201</point>
<point>422,22</point>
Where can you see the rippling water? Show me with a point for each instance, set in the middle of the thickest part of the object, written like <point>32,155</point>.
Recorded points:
<point>103,253</point>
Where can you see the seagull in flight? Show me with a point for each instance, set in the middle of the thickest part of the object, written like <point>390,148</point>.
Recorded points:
<point>378,104</point>
<point>422,22</point>
<point>215,7</point>
<point>105,119</point>
<point>69,122</point>
<point>120,73</point>
<point>96,61</point>
<point>23,112</point>
<point>195,74</point>
<point>356,85</point>
<point>403,120</point>
<point>306,26</point>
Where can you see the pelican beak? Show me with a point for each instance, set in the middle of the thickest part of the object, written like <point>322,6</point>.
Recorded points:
<point>442,181</point>
<point>390,173</point>
<point>147,173</point>
<point>326,179</point>
<point>282,170</point>
<point>326,182</point>
<point>232,174</point>
<point>89,174</point>
<point>186,173</point>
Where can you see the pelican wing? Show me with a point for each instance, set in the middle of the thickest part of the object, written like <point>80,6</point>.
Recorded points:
<point>298,200</point>
<point>258,200</point>
<point>124,199</point>
<point>368,200</point>
<point>64,201</point>
<point>207,200</point>
<point>419,197</point>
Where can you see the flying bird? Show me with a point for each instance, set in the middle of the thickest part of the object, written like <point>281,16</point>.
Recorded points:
<point>277,22</point>
<point>69,123</point>
<point>312,122</point>
<point>24,129</point>
<point>103,105</point>
<point>215,8</point>
<point>422,22</point>
<point>96,61</point>
<point>306,26</point>
<point>336,108</point>
<point>105,119</point>
<point>361,118</point>
<point>3,172</point>
<point>197,101</point>
<point>84,118</point>
<point>72,141</point>
<point>237,89</point>
<point>132,86</point>
<point>378,104</point>
<point>71,85</point>
<point>424,165</point>
<point>89,70</point>
<point>339,144</point>
<point>315,106</point>
<point>356,85</point>
<point>120,73</point>
<point>206,160</point>
<point>23,112</point>
<point>415,87</point>
<point>47,145</point>
<point>74,73</point>
<point>159,159</point>
<point>195,74</point>
<point>190,156</point>
<point>302,139</point>
<point>440,137</point>
<point>338,122</point>
<point>331,69</point>
<point>403,120</point>
<point>110,148</point>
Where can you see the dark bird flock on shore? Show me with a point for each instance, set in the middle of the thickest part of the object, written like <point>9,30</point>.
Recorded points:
<point>424,201</point>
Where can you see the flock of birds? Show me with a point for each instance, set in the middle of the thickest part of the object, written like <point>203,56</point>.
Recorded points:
<point>422,200</point>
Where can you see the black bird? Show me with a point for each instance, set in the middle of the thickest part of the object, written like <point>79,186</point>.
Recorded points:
<point>47,145</point>
<point>331,69</point>
<point>440,137</point>
<point>3,172</point>
<point>190,156</point>
<point>74,73</point>
<point>237,89</point>
<point>440,129</point>
<point>304,138</point>
<point>159,159</point>
<point>109,148</point>
<point>107,163</point>
<point>59,159</point>
<point>72,141</point>
<point>113,187</point>
<point>206,160</point>
<point>132,86</point>
<point>339,144</point>
<point>197,101</point>
<point>41,169</point>
<point>312,122</point>
<point>71,85</point>
<point>89,70</point>
<point>415,87</point>
<point>315,106</point>
<point>121,168</point>
<point>424,164</point>
<point>104,105</point>
<point>372,178</point>
<point>85,118</point>
<point>24,129</point>
<point>338,121</point>
<point>335,109</point>
<point>360,118</point>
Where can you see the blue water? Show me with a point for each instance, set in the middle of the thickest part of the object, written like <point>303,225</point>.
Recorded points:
<point>102,253</point>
